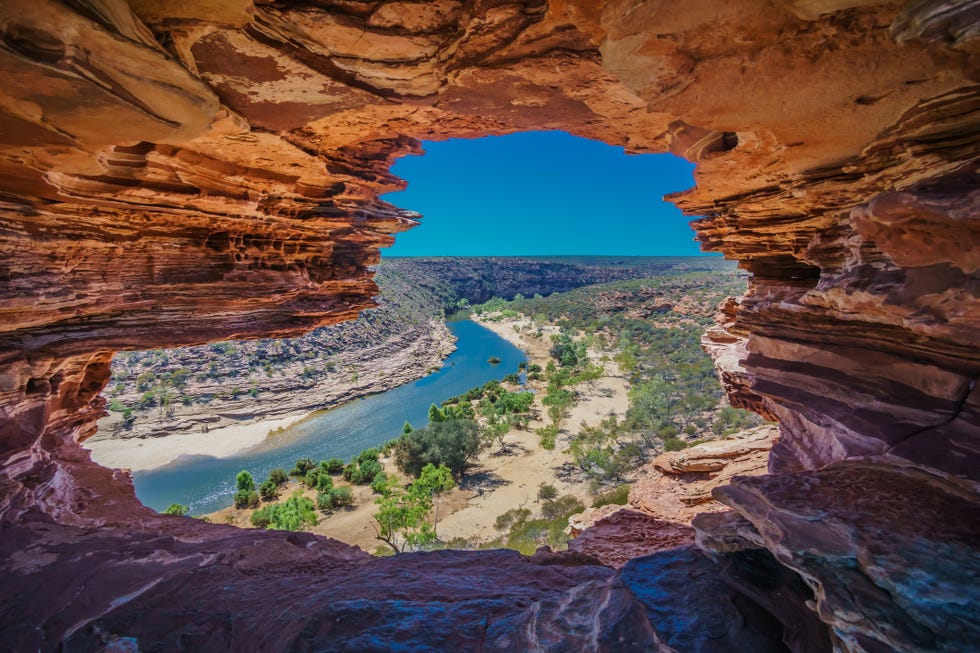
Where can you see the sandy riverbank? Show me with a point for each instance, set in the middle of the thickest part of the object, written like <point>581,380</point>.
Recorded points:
<point>140,454</point>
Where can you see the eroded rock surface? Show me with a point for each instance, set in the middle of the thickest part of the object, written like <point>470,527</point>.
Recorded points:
<point>677,485</point>
<point>175,173</point>
<point>670,491</point>
<point>891,550</point>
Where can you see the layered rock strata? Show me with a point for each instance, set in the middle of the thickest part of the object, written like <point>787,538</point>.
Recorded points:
<point>666,496</point>
<point>174,173</point>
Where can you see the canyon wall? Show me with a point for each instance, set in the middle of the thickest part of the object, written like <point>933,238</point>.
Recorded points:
<point>178,173</point>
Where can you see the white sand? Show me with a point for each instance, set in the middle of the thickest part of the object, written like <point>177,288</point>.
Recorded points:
<point>140,454</point>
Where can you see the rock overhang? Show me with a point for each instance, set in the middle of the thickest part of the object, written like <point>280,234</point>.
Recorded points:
<point>174,173</point>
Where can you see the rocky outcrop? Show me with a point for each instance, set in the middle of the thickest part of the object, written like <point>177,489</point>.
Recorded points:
<point>890,549</point>
<point>615,535</point>
<point>177,173</point>
<point>677,485</point>
<point>299,386</point>
<point>177,584</point>
<point>667,495</point>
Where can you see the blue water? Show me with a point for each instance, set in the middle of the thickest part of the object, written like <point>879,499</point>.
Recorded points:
<point>206,484</point>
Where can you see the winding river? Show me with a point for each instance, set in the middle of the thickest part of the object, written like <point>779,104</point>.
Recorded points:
<point>206,484</point>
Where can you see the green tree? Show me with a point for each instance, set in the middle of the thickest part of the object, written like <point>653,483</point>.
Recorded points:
<point>335,497</point>
<point>452,443</point>
<point>246,499</point>
<point>291,515</point>
<point>436,415</point>
<point>335,466</point>
<point>178,509</point>
<point>558,401</point>
<point>400,520</point>
<point>278,476</point>
<point>269,491</point>
<point>433,482</point>
<point>303,465</point>
<point>244,481</point>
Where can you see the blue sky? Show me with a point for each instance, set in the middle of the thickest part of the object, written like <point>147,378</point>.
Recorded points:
<point>541,193</point>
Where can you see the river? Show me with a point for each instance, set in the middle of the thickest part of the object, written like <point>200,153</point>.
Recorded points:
<point>206,484</point>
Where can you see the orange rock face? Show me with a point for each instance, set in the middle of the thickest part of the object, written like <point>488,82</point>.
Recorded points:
<point>176,172</point>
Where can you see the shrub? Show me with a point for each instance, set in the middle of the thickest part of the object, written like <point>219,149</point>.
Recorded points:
<point>312,475</point>
<point>561,508</point>
<point>261,519</point>
<point>341,496</point>
<point>367,454</point>
<point>278,476</point>
<point>246,499</point>
<point>178,509</point>
<point>334,498</point>
<point>269,491</point>
<point>618,496</point>
<point>512,516</point>
<point>350,471</point>
<point>303,465</point>
<point>244,482</point>
<point>452,443</point>
<point>674,444</point>
<point>324,482</point>
<point>546,492</point>
<point>547,436</point>
<point>292,515</point>
<point>335,466</point>
<point>380,483</point>
<point>367,471</point>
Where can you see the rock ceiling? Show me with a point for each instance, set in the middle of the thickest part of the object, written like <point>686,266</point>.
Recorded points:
<point>174,172</point>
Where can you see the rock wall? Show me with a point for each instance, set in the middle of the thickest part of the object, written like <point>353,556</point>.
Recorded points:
<point>174,173</point>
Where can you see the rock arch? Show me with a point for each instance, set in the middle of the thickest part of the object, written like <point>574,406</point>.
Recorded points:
<point>173,173</point>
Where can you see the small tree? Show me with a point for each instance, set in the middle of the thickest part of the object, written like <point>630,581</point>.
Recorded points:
<point>400,520</point>
<point>278,476</point>
<point>245,496</point>
<point>334,466</point>
<point>452,443</point>
<point>303,465</point>
<point>246,499</point>
<point>244,481</point>
<point>178,509</point>
<point>269,491</point>
<point>431,484</point>
<point>292,515</point>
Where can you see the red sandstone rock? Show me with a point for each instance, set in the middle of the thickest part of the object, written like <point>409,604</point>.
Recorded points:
<point>891,550</point>
<point>677,485</point>
<point>624,534</point>
<point>674,488</point>
<point>173,173</point>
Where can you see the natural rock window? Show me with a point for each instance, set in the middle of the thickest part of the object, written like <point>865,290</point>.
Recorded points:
<point>130,134</point>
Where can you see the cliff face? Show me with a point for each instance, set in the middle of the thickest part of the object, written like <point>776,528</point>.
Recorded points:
<point>176,173</point>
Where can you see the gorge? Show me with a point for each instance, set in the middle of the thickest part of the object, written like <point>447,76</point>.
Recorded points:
<point>180,173</point>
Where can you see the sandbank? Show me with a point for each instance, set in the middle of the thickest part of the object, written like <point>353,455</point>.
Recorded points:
<point>141,454</point>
